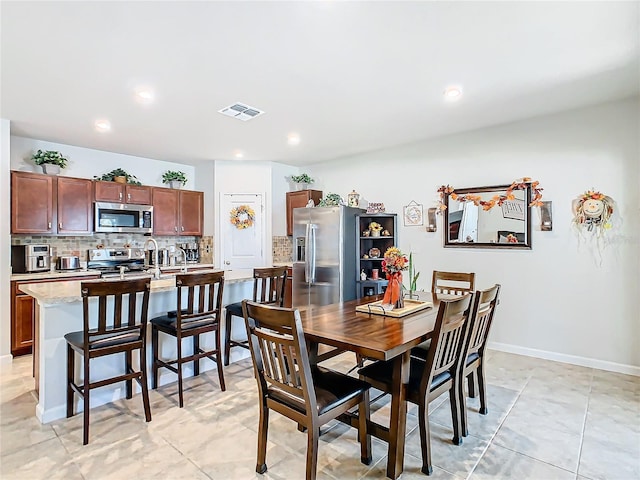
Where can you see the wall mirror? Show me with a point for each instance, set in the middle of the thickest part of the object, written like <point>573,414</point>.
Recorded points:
<point>467,224</point>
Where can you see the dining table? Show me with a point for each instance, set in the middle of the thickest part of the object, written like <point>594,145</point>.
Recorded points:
<point>376,337</point>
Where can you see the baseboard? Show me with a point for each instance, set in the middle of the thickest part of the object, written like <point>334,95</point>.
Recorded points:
<point>6,359</point>
<point>571,359</point>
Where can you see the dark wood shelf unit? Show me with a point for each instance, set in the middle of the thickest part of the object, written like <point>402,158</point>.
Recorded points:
<point>388,221</point>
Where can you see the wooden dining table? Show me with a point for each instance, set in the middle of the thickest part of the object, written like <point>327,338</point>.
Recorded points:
<point>376,337</point>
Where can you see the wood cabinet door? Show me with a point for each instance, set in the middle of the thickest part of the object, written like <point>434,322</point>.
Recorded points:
<point>109,192</point>
<point>165,211</point>
<point>22,325</point>
<point>31,203</point>
<point>191,213</point>
<point>75,213</point>
<point>138,194</point>
<point>299,199</point>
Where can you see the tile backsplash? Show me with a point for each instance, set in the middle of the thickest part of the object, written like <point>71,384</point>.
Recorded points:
<point>282,249</point>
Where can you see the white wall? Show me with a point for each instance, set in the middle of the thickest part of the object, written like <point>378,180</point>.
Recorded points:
<point>280,183</point>
<point>557,301</point>
<point>5,242</point>
<point>204,182</point>
<point>87,163</point>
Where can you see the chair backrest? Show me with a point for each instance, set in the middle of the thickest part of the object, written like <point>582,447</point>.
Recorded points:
<point>484,307</point>
<point>268,285</point>
<point>112,318</point>
<point>279,352</point>
<point>203,291</point>
<point>447,341</point>
<point>452,283</point>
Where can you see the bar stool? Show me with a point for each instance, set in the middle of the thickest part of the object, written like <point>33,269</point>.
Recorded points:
<point>268,289</point>
<point>108,338</point>
<point>200,315</point>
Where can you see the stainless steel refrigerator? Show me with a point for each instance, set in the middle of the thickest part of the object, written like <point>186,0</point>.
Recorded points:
<point>324,263</point>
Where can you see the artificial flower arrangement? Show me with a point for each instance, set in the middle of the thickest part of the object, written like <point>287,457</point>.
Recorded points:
<point>375,227</point>
<point>302,178</point>
<point>520,184</point>
<point>511,238</point>
<point>242,217</point>
<point>393,264</point>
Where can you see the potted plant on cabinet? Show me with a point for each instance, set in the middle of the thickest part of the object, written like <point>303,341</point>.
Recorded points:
<point>120,176</point>
<point>302,181</point>
<point>51,161</point>
<point>174,178</point>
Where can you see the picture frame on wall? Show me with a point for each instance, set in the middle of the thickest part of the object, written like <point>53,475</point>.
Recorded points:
<point>413,214</point>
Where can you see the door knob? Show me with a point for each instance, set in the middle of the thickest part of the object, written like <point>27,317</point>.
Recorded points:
<point>227,262</point>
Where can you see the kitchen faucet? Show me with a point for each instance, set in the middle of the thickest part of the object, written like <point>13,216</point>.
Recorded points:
<point>183,269</point>
<point>156,270</point>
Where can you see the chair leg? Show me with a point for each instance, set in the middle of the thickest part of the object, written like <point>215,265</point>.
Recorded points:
<point>263,428</point>
<point>227,337</point>
<point>313,433</point>
<point>363,436</point>
<point>154,353</point>
<point>128,369</point>
<point>70,378</point>
<point>196,350</point>
<point>425,437</point>
<point>143,383</point>
<point>471,380</point>
<point>454,401</point>
<point>179,365</point>
<point>219,359</point>
<point>482,387</point>
<point>463,406</point>
<point>85,398</point>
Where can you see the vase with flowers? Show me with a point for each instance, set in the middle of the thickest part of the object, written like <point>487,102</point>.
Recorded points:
<point>393,264</point>
<point>375,228</point>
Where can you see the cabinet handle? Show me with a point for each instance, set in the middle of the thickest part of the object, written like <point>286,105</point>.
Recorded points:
<point>128,196</point>
<point>182,228</point>
<point>49,224</point>
<point>175,228</point>
<point>120,195</point>
<point>60,225</point>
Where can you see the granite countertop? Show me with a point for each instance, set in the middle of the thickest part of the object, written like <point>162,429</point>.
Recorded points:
<point>68,291</point>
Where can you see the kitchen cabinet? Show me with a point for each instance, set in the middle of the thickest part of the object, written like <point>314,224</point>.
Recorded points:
<point>47,204</point>
<point>299,199</point>
<point>115,192</point>
<point>370,251</point>
<point>23,311</point>
<point>177,212</point>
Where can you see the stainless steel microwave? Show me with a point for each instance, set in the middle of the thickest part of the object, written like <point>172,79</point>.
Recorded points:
<point>123,218</point>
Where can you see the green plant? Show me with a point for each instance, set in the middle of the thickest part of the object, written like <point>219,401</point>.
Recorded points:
<point>174,175</point>
<point>50,157</point>
<point>118,172</point>
<point>413,277</point>
<point>302,178</point>
<point>331,200</point>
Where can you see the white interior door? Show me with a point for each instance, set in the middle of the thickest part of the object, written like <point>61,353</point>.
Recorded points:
<point>242,247</point>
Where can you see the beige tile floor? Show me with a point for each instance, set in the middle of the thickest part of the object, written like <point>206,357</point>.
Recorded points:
<point>546,420</point>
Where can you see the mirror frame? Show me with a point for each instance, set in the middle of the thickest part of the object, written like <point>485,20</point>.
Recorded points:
<point>527,244</point>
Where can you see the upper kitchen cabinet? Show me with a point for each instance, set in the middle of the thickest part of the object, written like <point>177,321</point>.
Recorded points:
<point>115,192</point>
<point>177,212</point>
<point>47,204</point>
<point>300,199</point>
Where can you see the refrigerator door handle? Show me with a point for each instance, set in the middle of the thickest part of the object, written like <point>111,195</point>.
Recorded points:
<point>307,257</point>
<point>310,254</point>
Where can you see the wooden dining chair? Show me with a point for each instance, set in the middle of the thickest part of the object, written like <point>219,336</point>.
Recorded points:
<point>121,328</point>
<point>268,289</point>
<point>287,383</point>
<point>452,283</point>
<point>430,378</point>
<point>199,301</point>
<point>473,367</point>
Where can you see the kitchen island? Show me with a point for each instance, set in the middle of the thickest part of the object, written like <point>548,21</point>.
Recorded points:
<point>59,311</point>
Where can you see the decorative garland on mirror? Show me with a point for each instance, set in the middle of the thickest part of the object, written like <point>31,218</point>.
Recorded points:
<point>520,184</point>
<point>242,217</point>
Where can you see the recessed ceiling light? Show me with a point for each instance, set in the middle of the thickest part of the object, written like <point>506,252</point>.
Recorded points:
<point>144,95</point>
<point>238,154</point>
<point>293,139</point>
<point>453,93</point>
<point>102,125</point>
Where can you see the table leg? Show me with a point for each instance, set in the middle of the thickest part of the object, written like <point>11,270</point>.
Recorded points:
<point>398,420</point>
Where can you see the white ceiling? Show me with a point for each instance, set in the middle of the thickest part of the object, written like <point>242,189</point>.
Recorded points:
<point>348,77</point>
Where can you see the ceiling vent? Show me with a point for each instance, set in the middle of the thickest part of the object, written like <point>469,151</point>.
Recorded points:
<point>241,112</point>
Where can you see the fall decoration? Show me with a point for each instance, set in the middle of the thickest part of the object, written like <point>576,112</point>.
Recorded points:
<point>393,264</point>
<point>520,184</point>
<point>242,217</point>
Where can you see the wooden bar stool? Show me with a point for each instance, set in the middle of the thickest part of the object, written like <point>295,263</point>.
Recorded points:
<point>123,333</point>
<point>203,294</point>
<point>268,289</point>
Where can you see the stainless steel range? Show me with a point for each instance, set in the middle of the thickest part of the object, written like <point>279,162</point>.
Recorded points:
<point>111,261</point>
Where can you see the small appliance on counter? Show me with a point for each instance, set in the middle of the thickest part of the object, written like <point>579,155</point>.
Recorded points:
<point>68,262</point>
<point>30,258</point>
<point>191,251</point>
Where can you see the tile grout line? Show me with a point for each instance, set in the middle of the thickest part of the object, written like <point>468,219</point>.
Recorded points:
<point>584,423</point>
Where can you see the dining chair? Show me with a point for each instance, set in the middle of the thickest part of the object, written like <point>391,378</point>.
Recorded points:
<point>430,378</point>
<point>121,328</point>
<point>268,289</point>
<point>452,283</point>
<point>473,366</point>
<point>199,301</point>
<point>289,385</point>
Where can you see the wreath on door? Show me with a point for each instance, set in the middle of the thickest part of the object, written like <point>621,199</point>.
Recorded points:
<point>242,217</point>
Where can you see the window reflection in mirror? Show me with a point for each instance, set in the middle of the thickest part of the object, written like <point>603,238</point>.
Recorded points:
<point>503,226</point>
